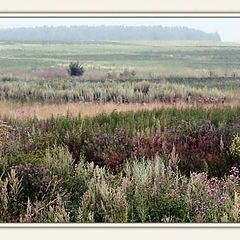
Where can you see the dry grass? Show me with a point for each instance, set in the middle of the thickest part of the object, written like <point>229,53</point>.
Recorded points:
<point>43,111</point>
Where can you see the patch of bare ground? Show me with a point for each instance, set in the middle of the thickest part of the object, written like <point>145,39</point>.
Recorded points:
<point>44,111</point>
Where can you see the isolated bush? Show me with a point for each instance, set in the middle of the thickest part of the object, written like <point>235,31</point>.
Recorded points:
<point>75,69</point>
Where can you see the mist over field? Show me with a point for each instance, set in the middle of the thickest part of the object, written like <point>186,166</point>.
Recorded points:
<point>225,27</point>
<point>86,33</point>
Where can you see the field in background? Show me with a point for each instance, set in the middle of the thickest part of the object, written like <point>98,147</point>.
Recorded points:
<point>156,58</point>
<point>120,72</point>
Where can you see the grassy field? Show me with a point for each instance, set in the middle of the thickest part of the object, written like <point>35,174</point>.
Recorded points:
<point>160,144</point>
<point>146,57</point>
<point>163,71</point>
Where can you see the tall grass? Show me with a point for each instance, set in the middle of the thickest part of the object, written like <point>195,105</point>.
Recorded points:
<point>111,139</point>
<point>145,191</point>
<point>165,165</point>
<point>116,91</point>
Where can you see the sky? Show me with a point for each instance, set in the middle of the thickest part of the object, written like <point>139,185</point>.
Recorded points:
<point>228,28</point>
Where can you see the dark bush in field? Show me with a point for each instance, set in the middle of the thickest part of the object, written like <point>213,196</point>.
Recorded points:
<point>75,69</point>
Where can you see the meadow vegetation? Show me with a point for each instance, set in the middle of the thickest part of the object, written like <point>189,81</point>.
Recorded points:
<point>124,142</point>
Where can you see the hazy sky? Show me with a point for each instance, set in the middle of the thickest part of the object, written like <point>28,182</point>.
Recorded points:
<point>228,28</point>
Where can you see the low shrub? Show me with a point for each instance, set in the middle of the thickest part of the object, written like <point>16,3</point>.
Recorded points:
<point>75,69</point>
<point>37,182</point>
<point>108,149</point>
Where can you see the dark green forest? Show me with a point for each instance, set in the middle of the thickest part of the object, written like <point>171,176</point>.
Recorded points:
<point>88,33</point>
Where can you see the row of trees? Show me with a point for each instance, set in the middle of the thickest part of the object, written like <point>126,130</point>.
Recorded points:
<point>79,33</point>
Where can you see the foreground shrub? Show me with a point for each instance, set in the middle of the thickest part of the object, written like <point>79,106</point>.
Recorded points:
<point>152,191</point>
<point>10,189</point>
<point>146,190</point>
<point>37,182</point>
<point>108,149</point>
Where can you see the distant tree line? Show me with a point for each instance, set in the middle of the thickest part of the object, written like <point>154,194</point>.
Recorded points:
<point>79,33</point>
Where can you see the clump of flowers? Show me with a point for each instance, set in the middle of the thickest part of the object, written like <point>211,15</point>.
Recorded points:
<point>38,182</point>
<point>109,149</point>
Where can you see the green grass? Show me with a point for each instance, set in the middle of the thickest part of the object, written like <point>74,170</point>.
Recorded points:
<point>159,57</point>
<point>170,68</point>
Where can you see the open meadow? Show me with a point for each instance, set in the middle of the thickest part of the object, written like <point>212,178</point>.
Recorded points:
<point>149,133</point>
